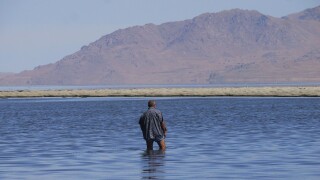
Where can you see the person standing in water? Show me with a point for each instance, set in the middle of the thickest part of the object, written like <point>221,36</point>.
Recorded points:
<point>153,126</point>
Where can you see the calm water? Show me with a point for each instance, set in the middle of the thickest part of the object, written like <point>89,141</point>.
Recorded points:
<point>208,138</point>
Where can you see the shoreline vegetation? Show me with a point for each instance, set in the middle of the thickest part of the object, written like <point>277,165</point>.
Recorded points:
<point>306,91</point>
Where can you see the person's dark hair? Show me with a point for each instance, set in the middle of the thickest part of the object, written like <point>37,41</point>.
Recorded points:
<point>151,103</point>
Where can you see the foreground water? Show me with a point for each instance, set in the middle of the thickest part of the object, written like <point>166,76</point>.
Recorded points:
<point>208,138</point>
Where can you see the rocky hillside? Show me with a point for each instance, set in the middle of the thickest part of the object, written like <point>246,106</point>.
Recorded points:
<point>225,47</point>
<point>5,74</point>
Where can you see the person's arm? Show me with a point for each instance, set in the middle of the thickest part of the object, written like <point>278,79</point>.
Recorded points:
<point>141,123</point>
<point>164,128</point>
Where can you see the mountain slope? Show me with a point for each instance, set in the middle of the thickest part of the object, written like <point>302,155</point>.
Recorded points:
<point>5,74</point>
<point>308,14</point>
<point>224,47</point>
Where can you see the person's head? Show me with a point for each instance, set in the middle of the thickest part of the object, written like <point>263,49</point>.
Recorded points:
<point>152,103</point>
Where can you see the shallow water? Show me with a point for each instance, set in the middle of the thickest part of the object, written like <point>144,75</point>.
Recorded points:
<point>208,138</point>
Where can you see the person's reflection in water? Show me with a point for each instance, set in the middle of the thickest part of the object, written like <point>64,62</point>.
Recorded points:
<point>153,164</point>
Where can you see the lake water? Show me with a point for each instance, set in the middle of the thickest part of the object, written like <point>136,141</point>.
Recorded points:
<point>208,138</point>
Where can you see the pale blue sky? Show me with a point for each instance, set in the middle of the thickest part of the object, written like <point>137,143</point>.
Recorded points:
<point>38,32</point>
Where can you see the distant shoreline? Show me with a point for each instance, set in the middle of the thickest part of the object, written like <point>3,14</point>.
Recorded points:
<point>289,91</point>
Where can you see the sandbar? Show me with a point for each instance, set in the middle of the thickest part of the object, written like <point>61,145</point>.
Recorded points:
<point>306,91</point>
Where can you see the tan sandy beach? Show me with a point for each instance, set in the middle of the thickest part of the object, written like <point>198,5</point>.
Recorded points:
<point>160,92</point>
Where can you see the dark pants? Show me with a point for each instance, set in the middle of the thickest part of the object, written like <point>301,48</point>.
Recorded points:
<point>161,144</point>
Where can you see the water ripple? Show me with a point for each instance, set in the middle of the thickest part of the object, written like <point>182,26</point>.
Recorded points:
<point>208,138</point>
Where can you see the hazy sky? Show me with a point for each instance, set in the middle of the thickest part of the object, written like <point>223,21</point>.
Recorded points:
<point>38,32</point>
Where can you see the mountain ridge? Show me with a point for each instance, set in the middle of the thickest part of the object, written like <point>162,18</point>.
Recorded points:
<point>224,47</point>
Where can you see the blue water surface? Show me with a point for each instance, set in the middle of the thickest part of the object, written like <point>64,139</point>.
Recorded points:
<point>208,138</point>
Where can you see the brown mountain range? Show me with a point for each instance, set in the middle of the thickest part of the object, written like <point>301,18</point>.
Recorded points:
<point>4,74</point>
<point>225,47</point>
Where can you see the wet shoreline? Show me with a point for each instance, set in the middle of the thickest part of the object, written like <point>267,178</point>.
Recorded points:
<point>299,91</point>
